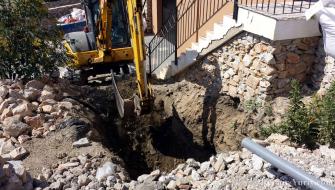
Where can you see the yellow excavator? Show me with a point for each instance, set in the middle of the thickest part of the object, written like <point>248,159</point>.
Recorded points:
<point>112,39</point>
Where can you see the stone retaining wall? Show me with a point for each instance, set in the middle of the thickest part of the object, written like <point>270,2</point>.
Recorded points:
<point>254,67</point>
<point>323,71</point>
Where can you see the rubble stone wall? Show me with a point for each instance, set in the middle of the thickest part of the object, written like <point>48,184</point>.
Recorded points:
<point>323,72</point>
<point>253,67</point>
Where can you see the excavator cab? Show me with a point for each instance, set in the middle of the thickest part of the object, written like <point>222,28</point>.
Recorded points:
<point>120,32</point>
<point>84,45</point>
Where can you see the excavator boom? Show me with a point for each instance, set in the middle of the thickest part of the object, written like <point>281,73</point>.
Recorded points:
<point>137,39</point>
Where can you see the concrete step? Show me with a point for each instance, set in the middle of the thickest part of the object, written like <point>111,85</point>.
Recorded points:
<point>187,58</point>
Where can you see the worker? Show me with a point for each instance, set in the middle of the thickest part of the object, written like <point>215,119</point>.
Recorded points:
<point>324,10</point>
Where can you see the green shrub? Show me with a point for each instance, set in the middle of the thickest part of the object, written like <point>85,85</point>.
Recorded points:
<point>308,124</point>
<point>325,113</point>
<point>29,45</point>
<point>268,109</point>
<point>266,131</point>
<point>298,124</point>
<point>251,105</point>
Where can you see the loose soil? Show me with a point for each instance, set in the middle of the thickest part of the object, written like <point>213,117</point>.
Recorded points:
<point>57,147</point>
<point>191,118</point>
<point>215,119</point>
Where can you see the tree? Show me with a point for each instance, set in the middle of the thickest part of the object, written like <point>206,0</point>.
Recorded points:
<point>29,45</point>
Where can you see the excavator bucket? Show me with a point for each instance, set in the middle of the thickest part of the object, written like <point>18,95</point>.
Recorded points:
<point>125,107</point>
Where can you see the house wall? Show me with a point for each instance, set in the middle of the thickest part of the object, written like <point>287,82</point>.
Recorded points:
<point>156,15</point>
<point>277,29</point>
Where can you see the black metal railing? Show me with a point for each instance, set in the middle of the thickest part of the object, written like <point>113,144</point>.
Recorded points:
<point>163,44</point>
<point>278,7</point>
<point>185,22</point>
<point>194,14</point>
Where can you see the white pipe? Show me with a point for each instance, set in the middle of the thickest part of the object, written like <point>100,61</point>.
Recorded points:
<point>298,174</point>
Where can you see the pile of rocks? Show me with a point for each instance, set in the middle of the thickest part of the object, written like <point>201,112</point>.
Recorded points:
<point>31,111</point>
<point>36,108</point>
<point>14,176</point>
<point>230,170</point>
<point>242,170</point>
<point>253,67</point>
<point>83,172</point>
<point>10,149</point>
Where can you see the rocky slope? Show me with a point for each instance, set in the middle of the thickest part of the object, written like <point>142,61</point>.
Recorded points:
<point>243,170</point>
<point>229,170</point>
<point>49,139</point>
<point>43,123</point>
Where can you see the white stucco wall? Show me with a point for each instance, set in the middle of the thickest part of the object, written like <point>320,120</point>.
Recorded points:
<point>277,29</point>
<point>256,23</point>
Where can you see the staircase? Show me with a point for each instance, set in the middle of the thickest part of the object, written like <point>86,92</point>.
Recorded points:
<point>221,33</point>
<point>182,40</point>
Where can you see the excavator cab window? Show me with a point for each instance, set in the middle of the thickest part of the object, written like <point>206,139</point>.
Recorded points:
<point>120,32</point>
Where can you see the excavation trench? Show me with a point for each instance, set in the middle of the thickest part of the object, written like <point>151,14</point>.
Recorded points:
<point>152,142</point>
<point>183,124</point>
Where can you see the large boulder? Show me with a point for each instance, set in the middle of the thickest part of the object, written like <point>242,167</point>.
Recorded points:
<point>13,182</point>
<point>18,153</point>
<point>6,113</point>
<point>31,94</point>
<point>35,84</point>
<point>19,170</point>
<point>5,104</point>
<point>108,169</point>
<point>34,122</point>
<point>16,176</point>
<point>13,126</point>
<point>81,143</point>
<point>16,94</point>
<point>23,110</point>
<point>3,92</point>
<point>47,93</point>
<point>6,146</point>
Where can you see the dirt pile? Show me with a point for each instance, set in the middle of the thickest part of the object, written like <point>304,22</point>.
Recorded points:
<point>196,98</point>
<point>77,142</point>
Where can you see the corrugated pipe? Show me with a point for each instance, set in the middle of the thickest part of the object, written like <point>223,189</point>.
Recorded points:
<point>301,177</point>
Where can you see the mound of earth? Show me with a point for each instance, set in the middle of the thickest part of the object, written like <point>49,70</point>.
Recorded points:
<point>210,115</point>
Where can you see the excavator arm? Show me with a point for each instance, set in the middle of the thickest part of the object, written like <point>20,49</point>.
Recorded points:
<point>143,99</point>
<point>134,9</point>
